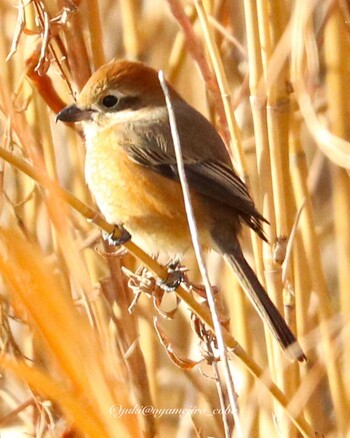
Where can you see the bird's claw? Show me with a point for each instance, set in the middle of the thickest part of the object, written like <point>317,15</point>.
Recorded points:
<point>174,278</point>
<point>112,239</point>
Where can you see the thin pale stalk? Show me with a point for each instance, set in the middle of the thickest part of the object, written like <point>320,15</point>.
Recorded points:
<point>221,395</point>
<point>302,276</point>
<point>200,260</point>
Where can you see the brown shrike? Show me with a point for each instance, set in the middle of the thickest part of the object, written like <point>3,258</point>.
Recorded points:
<point>132,172</point>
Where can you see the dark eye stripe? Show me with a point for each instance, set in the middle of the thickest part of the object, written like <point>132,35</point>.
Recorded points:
<point>132,102</point>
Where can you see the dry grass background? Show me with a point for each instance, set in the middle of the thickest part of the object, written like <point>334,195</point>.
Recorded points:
<point>274,77</point>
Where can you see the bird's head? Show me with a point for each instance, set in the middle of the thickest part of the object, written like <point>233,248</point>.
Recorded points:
<point>118,92</point>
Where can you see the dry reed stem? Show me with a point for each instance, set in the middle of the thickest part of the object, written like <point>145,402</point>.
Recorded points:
<point>258,106</point>
<point>131,30</point>
<point>178,52</point>
<point>277,124</point>
<point>196,50</point>
<point>95,29</point>
<point>224,91</point>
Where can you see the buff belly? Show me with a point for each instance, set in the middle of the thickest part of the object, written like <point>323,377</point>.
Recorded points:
<point>148,205</point>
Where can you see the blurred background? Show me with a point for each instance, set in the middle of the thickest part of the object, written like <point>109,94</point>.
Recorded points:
<point>81,353</point>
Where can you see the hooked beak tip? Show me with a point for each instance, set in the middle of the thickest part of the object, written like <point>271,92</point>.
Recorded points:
<point>73,114</point>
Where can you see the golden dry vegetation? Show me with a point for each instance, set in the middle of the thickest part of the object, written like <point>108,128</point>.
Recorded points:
<point>76,359</point>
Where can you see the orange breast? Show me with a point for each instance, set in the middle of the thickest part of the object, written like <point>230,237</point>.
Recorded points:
<point>149,205</point>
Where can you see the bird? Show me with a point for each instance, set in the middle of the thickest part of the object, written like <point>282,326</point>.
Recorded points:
<point>131,170</point>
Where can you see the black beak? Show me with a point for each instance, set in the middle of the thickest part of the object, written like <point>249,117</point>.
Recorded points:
<point>74,114</point>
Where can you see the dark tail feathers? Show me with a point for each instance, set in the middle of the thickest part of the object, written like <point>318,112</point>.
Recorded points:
<point>262,303</point>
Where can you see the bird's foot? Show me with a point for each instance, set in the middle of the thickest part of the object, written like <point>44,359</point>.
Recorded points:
<point>176,275</point>
<point>118,236</point>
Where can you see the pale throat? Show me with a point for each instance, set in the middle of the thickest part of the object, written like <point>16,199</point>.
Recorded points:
<point>102,122</point>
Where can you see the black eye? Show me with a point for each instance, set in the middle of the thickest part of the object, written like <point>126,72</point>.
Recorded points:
<point>109,101</point>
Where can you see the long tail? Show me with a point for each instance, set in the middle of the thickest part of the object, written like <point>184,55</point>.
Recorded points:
<point>261,301</point>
